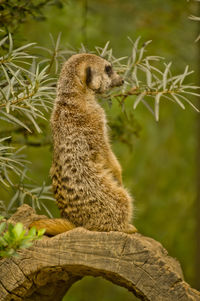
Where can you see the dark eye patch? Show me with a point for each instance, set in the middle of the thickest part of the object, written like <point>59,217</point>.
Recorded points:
<point>108,70</point>
<point>88,75</point>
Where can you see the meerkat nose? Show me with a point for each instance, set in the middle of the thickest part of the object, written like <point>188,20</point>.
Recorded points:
<point>117,81</point>
<point>120,81</point>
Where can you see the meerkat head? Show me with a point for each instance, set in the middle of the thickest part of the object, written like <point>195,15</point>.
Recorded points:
<point>99,75</point>
<point>90,73</point>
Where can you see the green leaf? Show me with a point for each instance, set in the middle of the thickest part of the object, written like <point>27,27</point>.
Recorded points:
<point>165,74</point>
<point>3,41</point>
<point>10,227</point>
<point>178,101</point>
<point>34,122</point>
<point>16,120</point>
<point>157,102</point>
<point>18,230</point>
<point>25,244</point>
<point>32,232</point>
<point>138,99</point>
<point>41,232</point>
<point>2,227</point>
<point>3,242</point>
<point>10,43</point>
<point>13,200</point>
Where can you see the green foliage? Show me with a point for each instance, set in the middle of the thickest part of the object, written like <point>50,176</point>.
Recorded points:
<point>100,288</point>
<point>145,80</point>
<point>9,160</point>
<point>27,93</point>
<point>16,238</point>
<point>28,89</point>
<point>15,12</point>
<point>124,127</point>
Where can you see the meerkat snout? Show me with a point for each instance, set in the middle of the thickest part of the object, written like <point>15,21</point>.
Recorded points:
<point>117,81</point>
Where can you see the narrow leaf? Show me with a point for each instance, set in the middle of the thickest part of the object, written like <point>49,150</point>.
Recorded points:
<point>138,99</point>
<point>157,102</point>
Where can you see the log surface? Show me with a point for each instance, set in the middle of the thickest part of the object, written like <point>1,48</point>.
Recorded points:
<point>47,270</point>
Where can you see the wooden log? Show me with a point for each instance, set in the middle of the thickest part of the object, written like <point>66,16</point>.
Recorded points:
<point>47,270</point>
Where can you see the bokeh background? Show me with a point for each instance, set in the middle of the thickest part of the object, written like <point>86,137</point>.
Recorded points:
<point>160,161</point>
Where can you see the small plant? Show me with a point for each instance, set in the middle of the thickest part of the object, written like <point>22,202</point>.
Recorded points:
<point>16,238</point>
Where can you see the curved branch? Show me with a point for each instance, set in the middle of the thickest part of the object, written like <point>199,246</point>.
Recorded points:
<point>48,269</point>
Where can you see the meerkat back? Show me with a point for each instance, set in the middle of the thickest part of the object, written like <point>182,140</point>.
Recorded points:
<point>86,175</point>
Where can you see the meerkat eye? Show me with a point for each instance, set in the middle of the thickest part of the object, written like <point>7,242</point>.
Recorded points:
<point>108,70</point>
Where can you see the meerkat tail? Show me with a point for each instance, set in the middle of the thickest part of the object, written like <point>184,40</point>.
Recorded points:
<point>53,226</point>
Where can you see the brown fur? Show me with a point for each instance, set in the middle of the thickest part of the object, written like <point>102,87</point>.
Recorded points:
<point>85,173</point>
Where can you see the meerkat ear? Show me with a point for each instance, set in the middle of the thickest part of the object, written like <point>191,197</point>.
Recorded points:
<point>88,75</point>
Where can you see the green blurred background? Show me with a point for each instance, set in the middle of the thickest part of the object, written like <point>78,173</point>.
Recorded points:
<point>160,170</point>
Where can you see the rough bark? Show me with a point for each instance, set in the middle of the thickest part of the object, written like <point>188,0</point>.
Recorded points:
<point>48,269</point>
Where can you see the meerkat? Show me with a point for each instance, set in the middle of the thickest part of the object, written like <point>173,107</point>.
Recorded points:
<point>86,175</point>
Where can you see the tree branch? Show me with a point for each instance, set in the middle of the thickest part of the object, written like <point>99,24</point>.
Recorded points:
<point>48,269</point>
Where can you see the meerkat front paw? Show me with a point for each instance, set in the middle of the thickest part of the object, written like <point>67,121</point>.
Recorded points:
<point>118,175</point>
<point>130,229</point>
